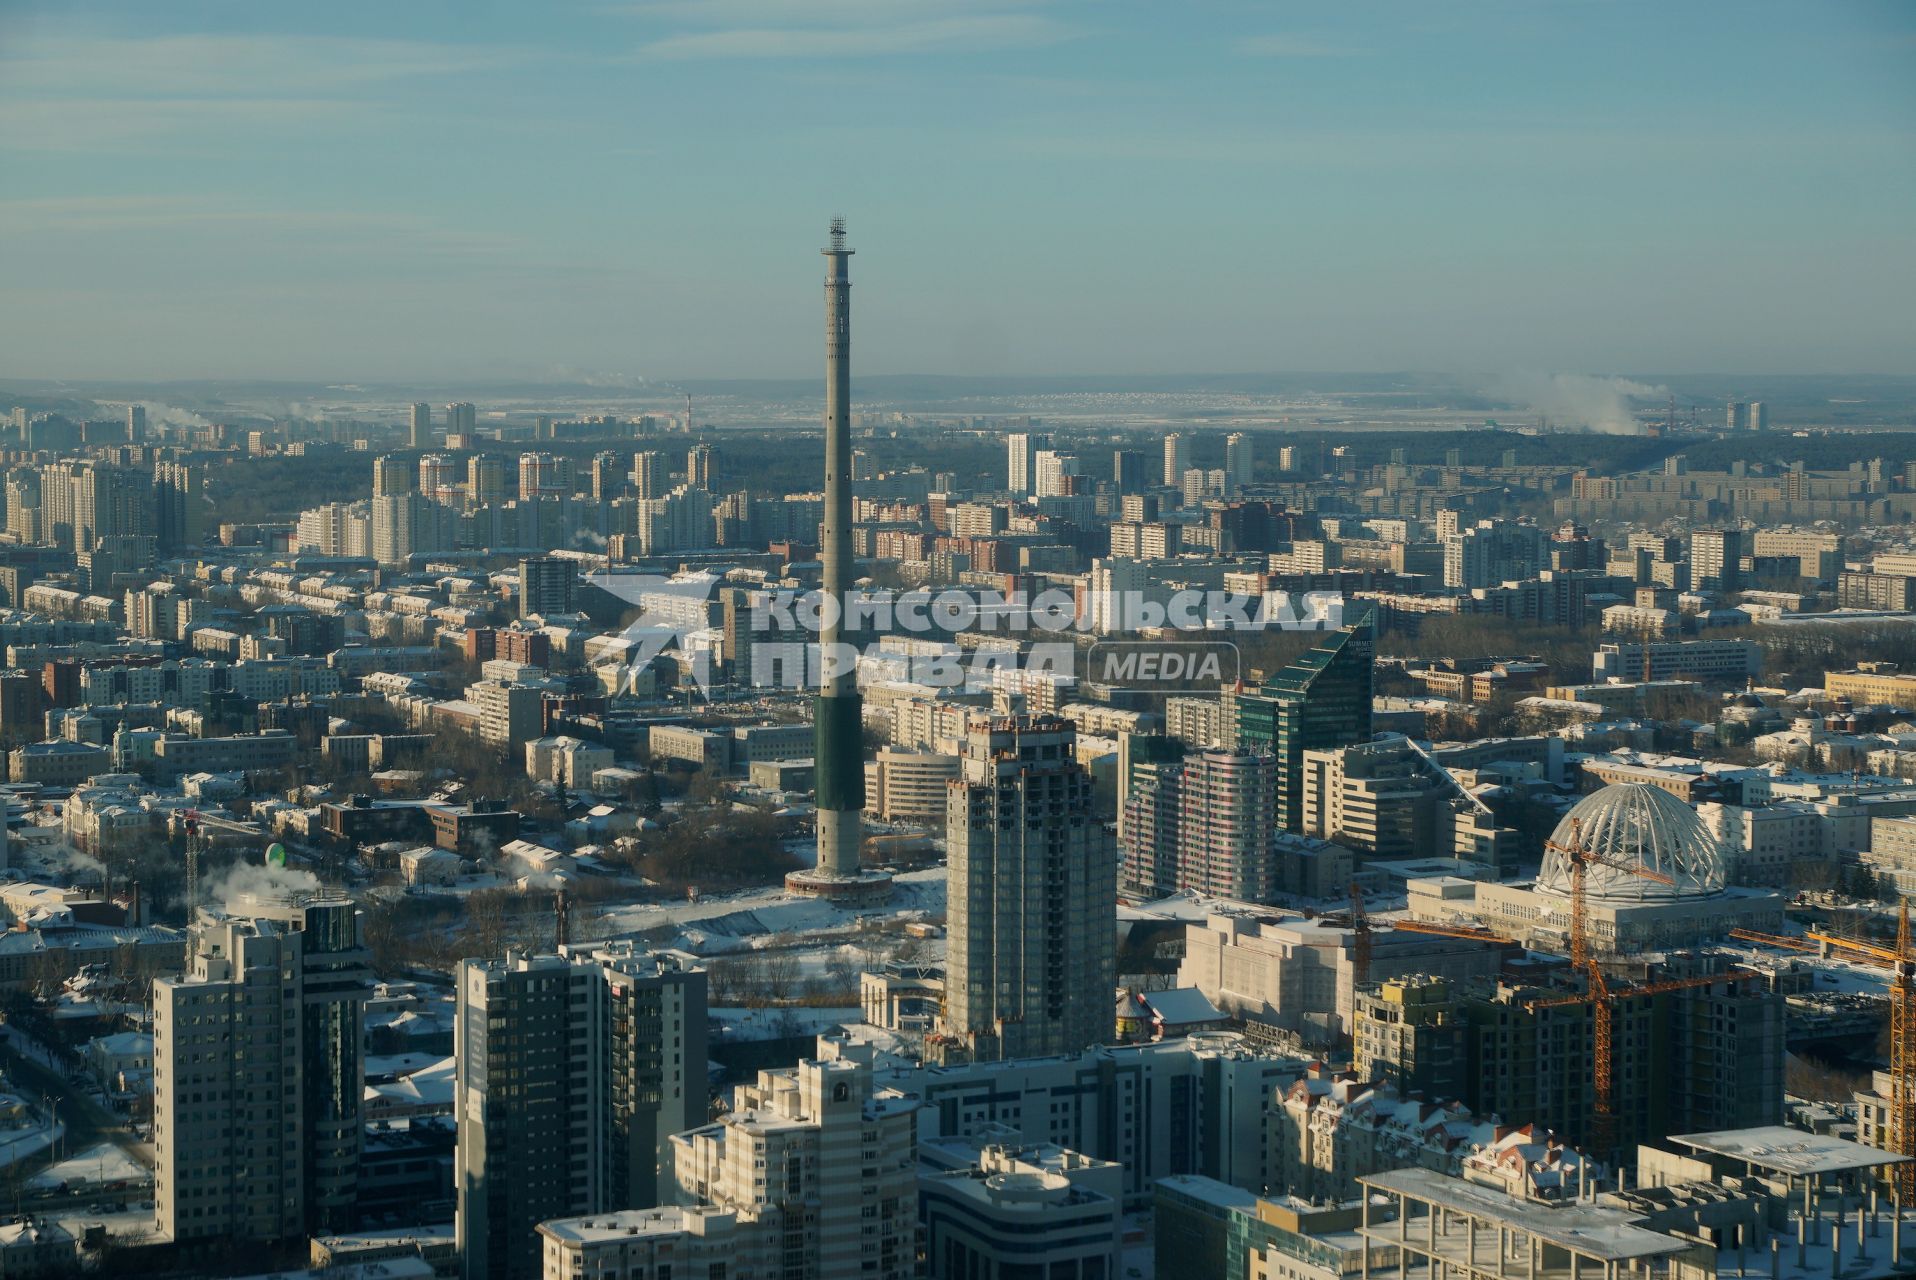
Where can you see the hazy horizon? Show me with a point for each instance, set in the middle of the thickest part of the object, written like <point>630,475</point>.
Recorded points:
<point>590,193</point>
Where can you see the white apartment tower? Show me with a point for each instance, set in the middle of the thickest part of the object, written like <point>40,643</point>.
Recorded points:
<point>1052,468</point>
<point>701,467</point>
<point>1021,461</point>
<point>824,1169</point>
<point>258,1075</point>
<point>438,478</point>
<point>1033,884</point>
<point>1177,459</point>
<point>544,475</point>
<point>649,479</point>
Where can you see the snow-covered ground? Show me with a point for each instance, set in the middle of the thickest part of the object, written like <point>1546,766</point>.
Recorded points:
<point>767,1023</point>
<point>95,1166</point>
<point>30,1140</point>
<point>735,922</point>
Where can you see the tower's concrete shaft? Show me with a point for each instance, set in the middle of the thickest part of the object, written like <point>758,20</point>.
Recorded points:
<point>840,771</point>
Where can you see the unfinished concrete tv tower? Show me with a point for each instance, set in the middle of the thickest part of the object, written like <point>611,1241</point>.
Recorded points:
<point>838,762</point>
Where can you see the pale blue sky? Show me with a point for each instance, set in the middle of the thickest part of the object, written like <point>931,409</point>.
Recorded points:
<point>441,189</point>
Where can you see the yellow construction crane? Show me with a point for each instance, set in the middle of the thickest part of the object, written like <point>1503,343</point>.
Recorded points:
<point>1900,960</point>
<point>1360,938</point>
<point>1780,941</point>
<point>1476,933</point>
<point>1580,858</point>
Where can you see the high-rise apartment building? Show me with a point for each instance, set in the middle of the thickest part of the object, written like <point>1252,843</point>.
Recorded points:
<point>676,521</point>
<point>438,478</point>
<point>1177,459</point>
<point>1052,469</point>
<point>1759,416</point>
<point>84,501</point>
<point>1818,554</point>
<point>648,475</point>
<point>419,429</point>
<point>573,1072</point>
<point>1387,800</point>
<point>1021,461</point>
<point>1716,559</point>
<point>531,1045</point>
<point>1202,823</point>
<point>545,585</point>
<point>609,476</point>
<point>1199,484</point>
<point>1127,470</point>
<point>544,475</point>
<point>1491,552</point>
<point>1033,878</point>
<point>1737,416</point>
<point>1238,463</point>
<point>823,1167</point>
<point>485,480</point>
<point>1697,1058</point>
<point>1321,700</point>
<point>461,420</point>
<point>1152,540</point>
<point>656,1032</point>
<point>404,525</point>
<point>56,498</point>
<point>391,475</point>
<point>135,423</point>
<point>179,506</point>
<point>24,520</point>
<point>258,1075</point>
<point>701,463</point>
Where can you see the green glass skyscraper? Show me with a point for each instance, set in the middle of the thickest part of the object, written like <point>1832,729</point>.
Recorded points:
<point>1321,700</point>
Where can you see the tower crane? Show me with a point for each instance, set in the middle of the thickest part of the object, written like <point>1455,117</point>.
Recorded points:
<point>1900,960</point>
<point>1579,858</point>
<point>196,825</point>
<point>1472,932</point>
<point>1360,938</point>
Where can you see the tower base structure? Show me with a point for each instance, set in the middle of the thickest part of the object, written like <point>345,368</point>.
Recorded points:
<point>858,888</point>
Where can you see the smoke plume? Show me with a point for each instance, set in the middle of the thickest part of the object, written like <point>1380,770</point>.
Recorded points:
<point>1592,402</point>
<point>171,415</point>
<point>257,880</point>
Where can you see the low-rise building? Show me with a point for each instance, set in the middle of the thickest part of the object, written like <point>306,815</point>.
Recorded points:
<point>908,786</point>
<point>689,1240</point>
<point>1299,975</point>
<point>987,1209</point>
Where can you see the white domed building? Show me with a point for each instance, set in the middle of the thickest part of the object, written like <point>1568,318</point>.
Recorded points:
<point>1654,880</point>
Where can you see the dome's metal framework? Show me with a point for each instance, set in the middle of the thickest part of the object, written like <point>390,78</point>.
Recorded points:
<point>1644,845</point>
